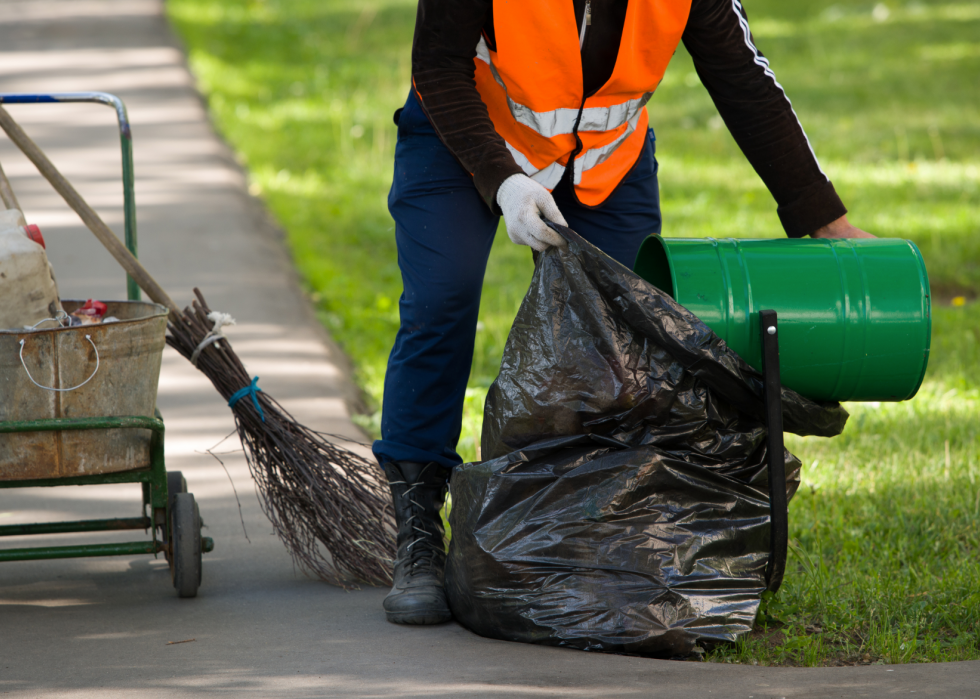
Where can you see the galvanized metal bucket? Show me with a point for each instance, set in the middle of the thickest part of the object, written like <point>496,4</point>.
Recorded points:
<point>103,370</point>
<point>854,315</point>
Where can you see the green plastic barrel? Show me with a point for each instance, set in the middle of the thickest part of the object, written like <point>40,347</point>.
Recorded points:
<point>854,315</point>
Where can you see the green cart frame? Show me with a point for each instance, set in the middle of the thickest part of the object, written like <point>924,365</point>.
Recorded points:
<point>169,512</point>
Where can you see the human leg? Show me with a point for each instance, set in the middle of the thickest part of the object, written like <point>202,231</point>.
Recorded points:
<point>444,233</point>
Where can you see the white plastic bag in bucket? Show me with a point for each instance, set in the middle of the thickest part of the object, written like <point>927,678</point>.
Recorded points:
<point>27,284</point>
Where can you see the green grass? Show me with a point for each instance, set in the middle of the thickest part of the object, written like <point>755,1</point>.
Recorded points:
<point>884,564</point>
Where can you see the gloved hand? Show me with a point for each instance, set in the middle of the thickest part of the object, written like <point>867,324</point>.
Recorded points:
<point>524,203</point>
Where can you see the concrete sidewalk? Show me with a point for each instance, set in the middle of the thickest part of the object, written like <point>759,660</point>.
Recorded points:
<point>106,627</point>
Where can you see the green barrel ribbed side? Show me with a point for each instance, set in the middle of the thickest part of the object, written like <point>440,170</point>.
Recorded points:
<point>854,315</point>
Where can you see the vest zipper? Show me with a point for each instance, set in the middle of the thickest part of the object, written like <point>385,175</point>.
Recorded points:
<point>586,22</point>
<point>570,170</point>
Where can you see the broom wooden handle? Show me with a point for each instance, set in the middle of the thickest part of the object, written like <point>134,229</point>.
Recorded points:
<point>7,195</point>
<point>91,219</point>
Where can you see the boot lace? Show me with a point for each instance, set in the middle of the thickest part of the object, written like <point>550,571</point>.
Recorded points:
<point>424,545</point>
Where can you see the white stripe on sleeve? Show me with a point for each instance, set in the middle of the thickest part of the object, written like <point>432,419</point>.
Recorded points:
<point>761,61</point>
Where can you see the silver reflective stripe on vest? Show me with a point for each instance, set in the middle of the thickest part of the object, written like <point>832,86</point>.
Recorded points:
<point>483,53</point>
<point>554,123</point>
<point>609,118</point>
<point>595,156</point>
<point>548,177</point>
<point>561,121</point>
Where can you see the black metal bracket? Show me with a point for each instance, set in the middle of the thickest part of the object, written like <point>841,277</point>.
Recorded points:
<point>778,512</point>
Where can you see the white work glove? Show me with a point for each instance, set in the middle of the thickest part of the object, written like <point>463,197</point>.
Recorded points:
<point>524,203</point>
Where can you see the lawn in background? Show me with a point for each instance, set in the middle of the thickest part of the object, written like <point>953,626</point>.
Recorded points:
<point>885,542</point>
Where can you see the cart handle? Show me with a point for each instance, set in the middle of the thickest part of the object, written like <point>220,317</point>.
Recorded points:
<point>126,143</point>
<point>61,390</point>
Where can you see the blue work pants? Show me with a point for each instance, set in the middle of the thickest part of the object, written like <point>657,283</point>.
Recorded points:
<point>444,232</point>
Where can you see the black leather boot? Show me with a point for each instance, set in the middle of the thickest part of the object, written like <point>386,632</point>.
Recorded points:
<point>417,596</point>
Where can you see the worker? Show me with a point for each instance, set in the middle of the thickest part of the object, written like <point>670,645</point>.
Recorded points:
<point>534,110</point>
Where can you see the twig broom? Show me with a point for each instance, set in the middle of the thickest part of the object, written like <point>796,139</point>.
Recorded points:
<point>327,504</point>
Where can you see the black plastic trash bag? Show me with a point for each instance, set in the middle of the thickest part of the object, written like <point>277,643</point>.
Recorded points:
<point>624,504</point>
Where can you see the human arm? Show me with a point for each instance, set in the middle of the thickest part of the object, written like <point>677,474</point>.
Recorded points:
<point>762,120</point>
<point>446,35</point>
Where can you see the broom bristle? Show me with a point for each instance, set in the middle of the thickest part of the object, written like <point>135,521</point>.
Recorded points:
<point>329,505</point>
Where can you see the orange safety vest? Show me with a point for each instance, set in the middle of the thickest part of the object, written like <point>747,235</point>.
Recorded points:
<point>532,86</point>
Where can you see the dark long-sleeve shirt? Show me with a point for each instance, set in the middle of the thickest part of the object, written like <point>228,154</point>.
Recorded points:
<point>735,73</point>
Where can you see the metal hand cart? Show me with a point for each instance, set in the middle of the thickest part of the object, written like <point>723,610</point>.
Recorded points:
<point>76,447</point>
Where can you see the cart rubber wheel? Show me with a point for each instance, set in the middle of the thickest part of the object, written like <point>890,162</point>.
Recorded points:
<point>186,542</point>
<point>176,483</point>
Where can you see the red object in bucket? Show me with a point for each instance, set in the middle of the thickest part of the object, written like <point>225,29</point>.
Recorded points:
<point>91,308</point>
<point>34,233</point>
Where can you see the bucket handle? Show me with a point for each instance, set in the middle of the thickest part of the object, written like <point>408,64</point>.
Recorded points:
<point>61,390</point>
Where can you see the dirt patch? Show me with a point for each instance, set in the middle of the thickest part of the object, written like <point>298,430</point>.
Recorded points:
<point>770,636</point>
